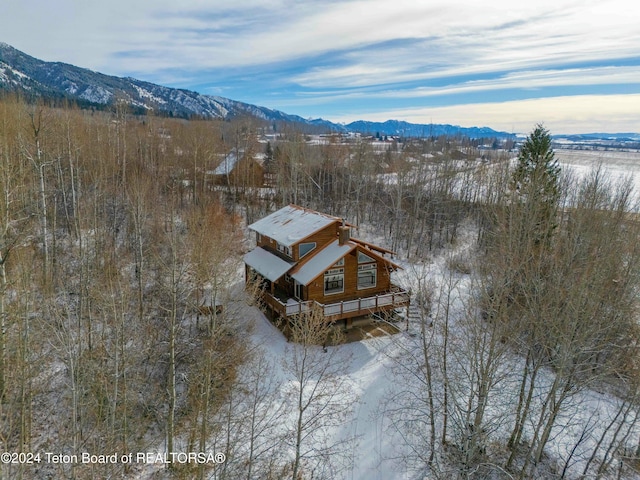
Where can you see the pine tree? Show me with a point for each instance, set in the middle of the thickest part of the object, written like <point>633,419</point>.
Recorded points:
<point>535,183</point>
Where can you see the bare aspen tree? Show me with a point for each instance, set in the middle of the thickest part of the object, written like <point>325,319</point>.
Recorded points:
<point>139,195</point>
<point>413,407</point>
<point>33,150</point>
<point>263,413</point>
<point>213,243</point>
<point>476,372</point>
<point>13,221</point>
<point>322,397</point>
<point>175,272</point>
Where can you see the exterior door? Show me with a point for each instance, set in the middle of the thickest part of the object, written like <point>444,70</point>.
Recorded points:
<point>297,290</point>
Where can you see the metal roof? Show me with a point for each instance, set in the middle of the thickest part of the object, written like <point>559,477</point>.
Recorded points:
<point>291,224</point>
<point>267,264</point>
<point>321,261</point>
<point>229,163</point>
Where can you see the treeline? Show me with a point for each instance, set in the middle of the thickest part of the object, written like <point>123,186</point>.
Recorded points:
<point>417,193</point>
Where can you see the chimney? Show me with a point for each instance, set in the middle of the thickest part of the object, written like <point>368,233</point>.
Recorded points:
<point>343,234</point>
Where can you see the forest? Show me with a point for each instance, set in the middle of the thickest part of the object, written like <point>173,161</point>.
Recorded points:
<point>117,245</point>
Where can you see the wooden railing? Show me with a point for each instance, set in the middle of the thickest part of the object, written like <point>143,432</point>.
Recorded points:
<point>349,308</point>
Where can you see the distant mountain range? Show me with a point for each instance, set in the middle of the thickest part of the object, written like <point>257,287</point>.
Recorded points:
<point>35,78</point>
<point>590,137</point>
<point>406,129</point>
<point>55,80</point>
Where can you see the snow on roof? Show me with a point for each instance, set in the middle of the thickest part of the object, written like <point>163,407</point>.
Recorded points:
<point>291,224</point>
<point>228,164</point>
<point>321,261</point>
<point>267,264</point>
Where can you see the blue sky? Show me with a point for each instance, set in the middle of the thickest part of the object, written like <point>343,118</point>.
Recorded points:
<point>574,65</point>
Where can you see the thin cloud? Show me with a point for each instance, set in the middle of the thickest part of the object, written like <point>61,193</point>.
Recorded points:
<point>327,58</point>
<point>530,80</point>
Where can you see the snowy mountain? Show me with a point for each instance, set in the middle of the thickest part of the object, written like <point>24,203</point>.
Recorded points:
<point>36,78</point>
<point>55,80</point>
<point>406,129</point>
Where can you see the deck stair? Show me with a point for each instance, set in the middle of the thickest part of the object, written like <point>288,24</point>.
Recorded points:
<point>414,313</point>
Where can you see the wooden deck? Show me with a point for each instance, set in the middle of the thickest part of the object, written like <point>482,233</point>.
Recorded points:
<point>396,298</point>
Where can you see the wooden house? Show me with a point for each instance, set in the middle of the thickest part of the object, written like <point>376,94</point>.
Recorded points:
<point>239,169</point>
<point>305,258</point>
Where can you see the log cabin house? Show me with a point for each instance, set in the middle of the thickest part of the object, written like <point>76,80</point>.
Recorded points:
<point>239,169</point>
<point>305,258</point>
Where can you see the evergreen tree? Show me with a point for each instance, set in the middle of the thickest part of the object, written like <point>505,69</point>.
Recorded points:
<point>535,183</point>
<point>268,158</point>
<point>537,173</point>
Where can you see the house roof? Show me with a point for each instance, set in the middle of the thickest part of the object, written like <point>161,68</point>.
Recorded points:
<point>371,246</point>
<point>291,224</point>
<point>267,264</point>
<point>371,252</point>
<point>321,261</point>
<point>229,163</point>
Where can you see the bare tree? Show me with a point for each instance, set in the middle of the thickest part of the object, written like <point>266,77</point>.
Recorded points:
<point>322,397</point>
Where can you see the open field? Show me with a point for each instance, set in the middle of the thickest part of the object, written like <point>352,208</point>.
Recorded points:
<point>617,163</point>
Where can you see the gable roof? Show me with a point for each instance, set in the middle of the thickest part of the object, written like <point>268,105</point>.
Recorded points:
<point>291,224</point>
<point>229,163</point>
<point>321,261</point>
<point>371,246</point>
<point>370,252</point>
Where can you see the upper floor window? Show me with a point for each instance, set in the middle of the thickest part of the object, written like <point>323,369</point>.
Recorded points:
<point>367,275</point>
<point>284,249</point>
<point>305,248</point>
<point>362,258</point>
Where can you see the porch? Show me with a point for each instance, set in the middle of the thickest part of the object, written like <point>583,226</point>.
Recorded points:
<point>395,298</point>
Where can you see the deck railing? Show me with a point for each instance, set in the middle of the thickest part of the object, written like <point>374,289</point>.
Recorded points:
<point>348,308</point>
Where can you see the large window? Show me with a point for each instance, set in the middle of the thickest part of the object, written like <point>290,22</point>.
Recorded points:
<point>305,248</point>
<point>367,275</point>
<point>334,281</point>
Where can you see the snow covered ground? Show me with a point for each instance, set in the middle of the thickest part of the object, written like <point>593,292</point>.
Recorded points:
<point>618,165</point>
<point>367,372</point>
<point>374,379</point>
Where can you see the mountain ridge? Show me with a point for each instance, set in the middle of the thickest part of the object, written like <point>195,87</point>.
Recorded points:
<point>20,72</point>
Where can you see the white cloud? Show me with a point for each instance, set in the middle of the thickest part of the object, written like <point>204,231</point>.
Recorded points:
<point>496,32</point>
<point>532,80</point>
<point>575,114</point>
